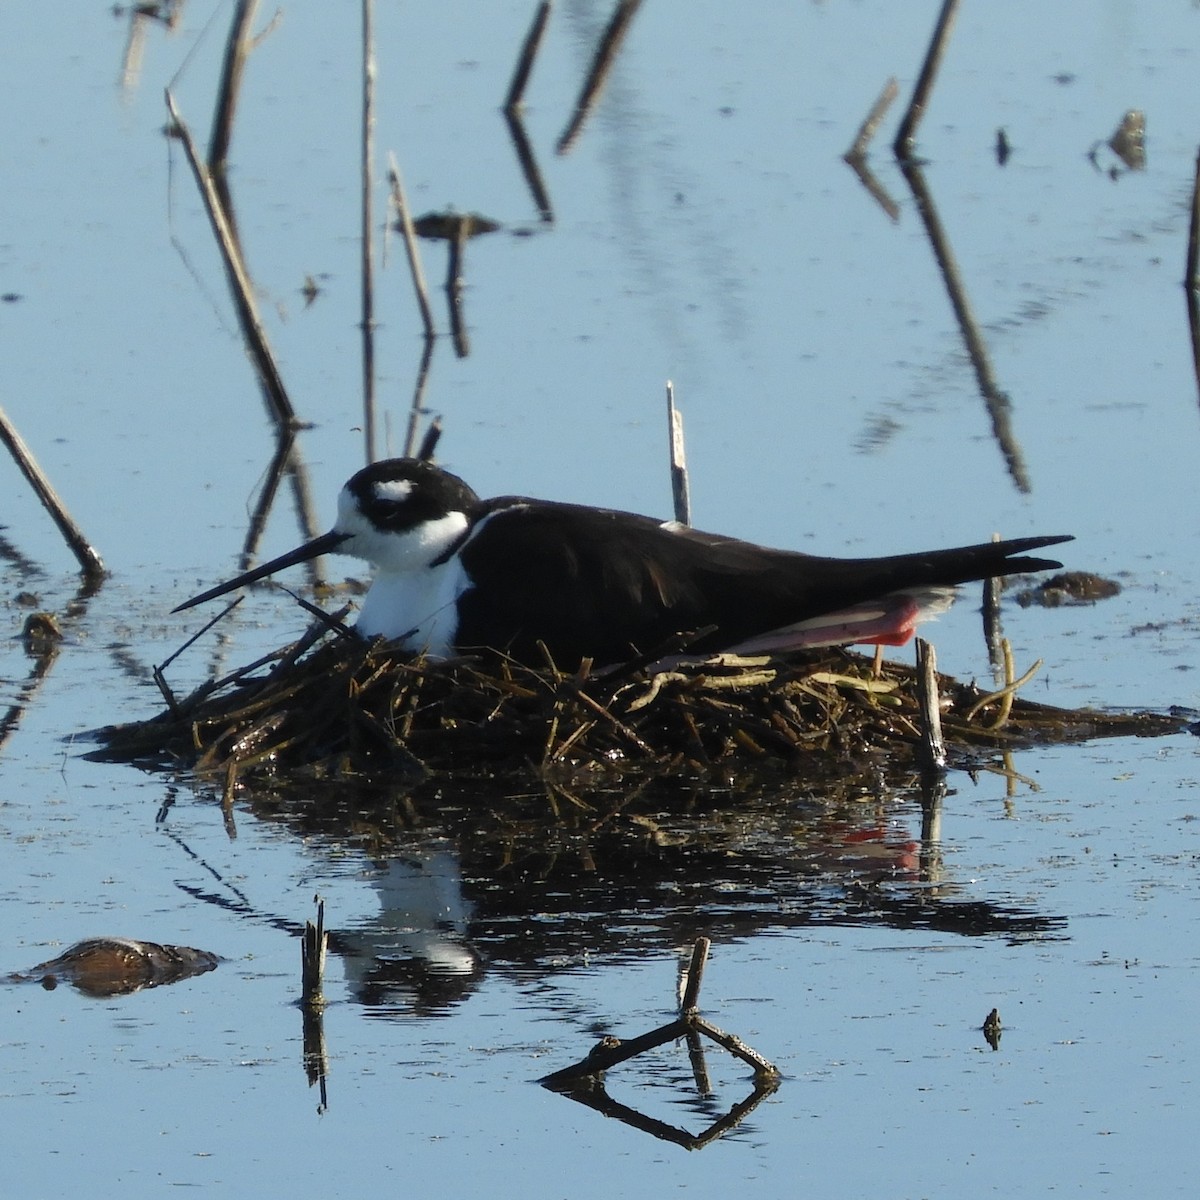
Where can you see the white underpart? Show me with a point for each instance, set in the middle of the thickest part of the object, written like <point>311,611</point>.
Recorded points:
<point>409,598</point>
<point>419,607</point>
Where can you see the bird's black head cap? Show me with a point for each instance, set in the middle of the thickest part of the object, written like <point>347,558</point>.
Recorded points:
<point>401,493</point>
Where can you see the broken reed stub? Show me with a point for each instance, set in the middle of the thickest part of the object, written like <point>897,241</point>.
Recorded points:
<point>933,745</point>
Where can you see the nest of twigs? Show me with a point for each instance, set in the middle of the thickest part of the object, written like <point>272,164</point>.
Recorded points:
<point>347,709</point>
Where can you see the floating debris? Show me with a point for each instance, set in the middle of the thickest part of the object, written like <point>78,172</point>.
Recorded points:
<point>1003,147</point>
<point>992,1029</point>
<point>449,226</point>
<point>41,634</point>
<point>1128,142</point>
<point>113,966</point>
<point>584,1081</point>
<point>1069,587</point>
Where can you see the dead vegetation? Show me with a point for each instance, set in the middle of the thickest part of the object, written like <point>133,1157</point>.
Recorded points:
<point>348,709</point>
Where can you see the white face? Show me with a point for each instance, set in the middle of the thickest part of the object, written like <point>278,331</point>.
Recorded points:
<point>391,551</point>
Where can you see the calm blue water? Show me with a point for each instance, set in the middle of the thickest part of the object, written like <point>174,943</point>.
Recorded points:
<point>706,231</point>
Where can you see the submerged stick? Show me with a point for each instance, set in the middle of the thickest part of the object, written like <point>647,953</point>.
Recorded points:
<point>367,265</point>
<point>727,1041</point>
<point>679,472</point>
<point>610,1051</point>
<point>905,137</point>
<point>228,792</point>
<point>41,637</point>
<point>90,562</point>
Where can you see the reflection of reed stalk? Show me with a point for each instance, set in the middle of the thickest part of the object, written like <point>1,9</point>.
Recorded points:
<point>606,55</point>
<point>533,41</point>
<point>237,50</point>
<point>1193,251</point>
<point>1190,280</point>
<point>906,135</point>
<point>514,105</point>
<point>368,239</point>
<point>999,405</point>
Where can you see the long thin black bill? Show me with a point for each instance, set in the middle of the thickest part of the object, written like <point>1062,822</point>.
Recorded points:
<point>321,545</point>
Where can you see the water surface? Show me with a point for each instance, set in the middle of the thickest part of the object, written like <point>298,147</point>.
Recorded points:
<point>707,231</point>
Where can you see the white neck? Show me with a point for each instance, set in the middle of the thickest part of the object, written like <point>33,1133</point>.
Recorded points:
<point>410,597</point>
<point>418,605</point>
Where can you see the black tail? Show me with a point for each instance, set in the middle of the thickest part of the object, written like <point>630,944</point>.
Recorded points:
<point>838,582</point>
<point>963,564</point>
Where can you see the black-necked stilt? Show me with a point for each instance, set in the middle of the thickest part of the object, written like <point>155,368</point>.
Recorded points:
<point>455,573</point>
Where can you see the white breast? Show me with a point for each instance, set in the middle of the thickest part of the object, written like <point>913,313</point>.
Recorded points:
<point>413,596</point>
<point>418,606</point>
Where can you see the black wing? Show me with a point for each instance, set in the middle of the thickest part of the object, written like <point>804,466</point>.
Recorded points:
<point>597,583</point>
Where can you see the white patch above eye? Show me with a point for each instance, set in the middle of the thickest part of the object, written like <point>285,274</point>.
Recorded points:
<point>395,490</point>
